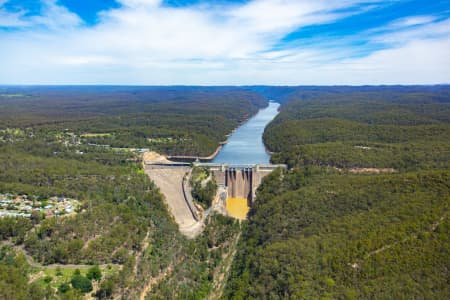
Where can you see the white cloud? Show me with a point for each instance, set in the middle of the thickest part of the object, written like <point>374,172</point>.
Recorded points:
<point>417,62</point>
<point>413,21</point>
<point>141,3</point>
<point>144,42</point>
<point>427,30</point>
<point>84,60</point>
<point>11,19</point>
<point>53,16</point>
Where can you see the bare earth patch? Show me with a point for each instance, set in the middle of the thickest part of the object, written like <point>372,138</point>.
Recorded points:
<point>154,281</point>
<point>154,157</point>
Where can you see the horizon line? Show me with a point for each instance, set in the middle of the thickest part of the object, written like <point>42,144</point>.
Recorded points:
<point>226,85</point>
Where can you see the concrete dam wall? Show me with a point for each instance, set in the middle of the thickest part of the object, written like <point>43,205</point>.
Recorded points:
<point>235,182</point>
<point>241,181</point>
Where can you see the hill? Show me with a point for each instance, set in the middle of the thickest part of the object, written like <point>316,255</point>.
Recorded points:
<point>79,216</point>
<point>170,120</point>
<point>363,214</point>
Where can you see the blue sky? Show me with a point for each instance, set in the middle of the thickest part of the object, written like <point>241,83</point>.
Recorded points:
<point>218,42</point>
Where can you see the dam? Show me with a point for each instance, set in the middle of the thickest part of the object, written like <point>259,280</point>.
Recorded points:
<point>240,181</point>
<point>237,185</point>
<point>238,169</point>
<point>244,162</point>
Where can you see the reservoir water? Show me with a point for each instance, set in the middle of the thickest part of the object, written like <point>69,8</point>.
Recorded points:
<point>245,145</point>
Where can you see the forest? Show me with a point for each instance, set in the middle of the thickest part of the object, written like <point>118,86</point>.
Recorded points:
<point>122,235</point>
<point>405,130</point>
<point>169,120</point>
<point>363,211</point>
<point>203,185</point>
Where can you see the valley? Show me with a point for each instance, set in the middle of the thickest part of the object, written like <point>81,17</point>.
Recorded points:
<point>352,204</point>
<point>224,150</point>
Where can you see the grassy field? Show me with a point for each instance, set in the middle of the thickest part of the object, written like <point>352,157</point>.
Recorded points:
<point>63,274</point>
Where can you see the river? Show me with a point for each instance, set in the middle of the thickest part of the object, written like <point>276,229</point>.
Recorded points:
<point>245,145</point>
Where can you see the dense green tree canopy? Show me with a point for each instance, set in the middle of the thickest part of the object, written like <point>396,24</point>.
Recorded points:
<point>335,226</point>
<point>53,144</point>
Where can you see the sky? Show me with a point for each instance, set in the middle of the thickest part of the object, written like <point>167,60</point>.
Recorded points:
<point>218,42</point>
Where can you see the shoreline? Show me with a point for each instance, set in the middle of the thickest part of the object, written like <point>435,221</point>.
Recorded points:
<point>216,152</point>
<point>221,144</point>
<point>192,157</point>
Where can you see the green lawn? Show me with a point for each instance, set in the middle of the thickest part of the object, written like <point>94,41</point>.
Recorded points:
<point>63,274</point>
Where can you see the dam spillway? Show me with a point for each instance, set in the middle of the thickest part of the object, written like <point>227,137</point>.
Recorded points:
<point>243,162</point>
<point>240,181</point>
<point>237,183</point>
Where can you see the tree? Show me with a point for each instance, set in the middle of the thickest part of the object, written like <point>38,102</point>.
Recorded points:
<point>63,288</point>
<point>94,273</point>
<point>81,283</point>
<point>36,217</point>
<point>36,292</point>
<point>106,289</point>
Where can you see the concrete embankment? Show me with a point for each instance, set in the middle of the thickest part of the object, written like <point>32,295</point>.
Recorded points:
<point>173,181</point>
<point>170,179</point>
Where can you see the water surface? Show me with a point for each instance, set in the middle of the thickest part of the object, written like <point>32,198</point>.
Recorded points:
<point>245,145</point>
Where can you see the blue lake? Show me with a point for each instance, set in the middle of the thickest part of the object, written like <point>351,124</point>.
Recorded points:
<point>245,145</point>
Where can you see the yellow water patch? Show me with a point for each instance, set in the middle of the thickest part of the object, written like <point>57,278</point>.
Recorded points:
<point>237,208</point>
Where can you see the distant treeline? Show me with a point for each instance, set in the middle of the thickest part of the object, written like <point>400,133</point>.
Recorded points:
<point>196,119</point>
<point>284,94</point>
